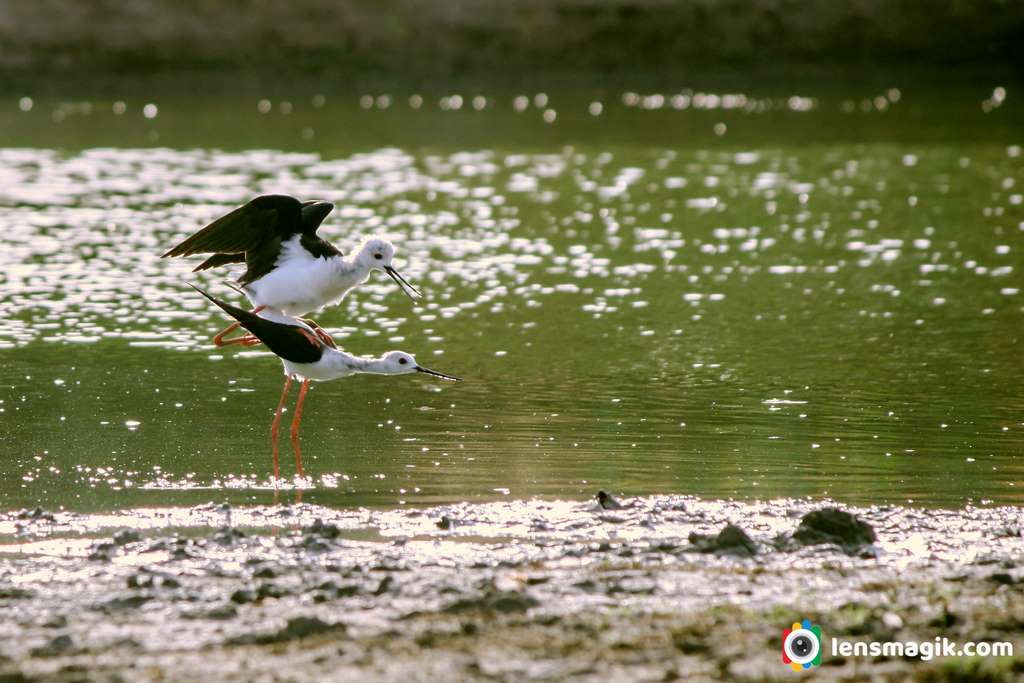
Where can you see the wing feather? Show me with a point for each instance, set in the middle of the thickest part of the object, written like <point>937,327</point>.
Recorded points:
<point>247,227</point>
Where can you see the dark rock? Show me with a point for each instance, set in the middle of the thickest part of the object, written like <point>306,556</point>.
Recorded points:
<point>126,536</point>
<point>12,593</point>
<point>731,540</point>
<point>446,523</point>
<point>269,590</point>
<point>243,596</point>
<point>689,644</point>
<point>384,586</point>
<point>57,646</point>
<point>945,619</point>
<point>56,621</point>
<point>505,602</point>
<point>318,528</point>
<point>832,525</point>
<point>103,552</point>
<point>221,612</point>
<point>607,502</point>
<point>315,544</point>
<point>335,590</point>
<point>126,603</point>
<point>228,536</point>
<point>1002,578</point>
<point>265,572</point>
<point>296,628</point>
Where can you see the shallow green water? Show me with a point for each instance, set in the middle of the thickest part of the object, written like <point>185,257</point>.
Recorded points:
<point>744,296</point>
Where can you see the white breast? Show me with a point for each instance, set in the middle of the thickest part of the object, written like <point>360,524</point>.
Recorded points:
<point>301,283</point>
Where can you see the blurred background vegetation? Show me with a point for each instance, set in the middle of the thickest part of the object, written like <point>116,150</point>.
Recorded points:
<point>357,43</point>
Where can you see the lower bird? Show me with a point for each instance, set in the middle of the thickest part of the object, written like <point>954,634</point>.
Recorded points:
<point>306,356</point>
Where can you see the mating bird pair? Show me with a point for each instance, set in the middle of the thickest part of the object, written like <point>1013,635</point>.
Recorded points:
<point>291,271</point>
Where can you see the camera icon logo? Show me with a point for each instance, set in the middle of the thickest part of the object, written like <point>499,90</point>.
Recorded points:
<point>801,645</point>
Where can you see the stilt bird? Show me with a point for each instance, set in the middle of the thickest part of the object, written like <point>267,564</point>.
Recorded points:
<point>307,357</point>
<point>287,266</point>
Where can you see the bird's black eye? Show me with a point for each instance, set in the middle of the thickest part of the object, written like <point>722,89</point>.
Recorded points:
<point>378,256</point>
<point>402,361</point>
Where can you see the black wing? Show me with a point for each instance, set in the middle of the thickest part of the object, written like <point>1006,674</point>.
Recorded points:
<point>219,260</point>
<point>266,218</point>
<point>284,340</point>
<point>313,214</point>
<point>253,234</point>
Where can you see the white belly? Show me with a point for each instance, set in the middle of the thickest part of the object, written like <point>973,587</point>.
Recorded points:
<point>301,283</point>
<point>318,372</point>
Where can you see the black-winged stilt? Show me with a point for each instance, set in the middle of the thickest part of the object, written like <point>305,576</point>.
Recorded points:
<point>288,267</point>
<point>305,355</point>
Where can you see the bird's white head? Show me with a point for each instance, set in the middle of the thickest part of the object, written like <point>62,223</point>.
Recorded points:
<point>402,363</point>
<point>377,253</point>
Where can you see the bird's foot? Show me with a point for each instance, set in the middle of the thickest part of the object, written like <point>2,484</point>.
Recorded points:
<point>325,338</point>
<point>312,338</point>
<point>321,333</point>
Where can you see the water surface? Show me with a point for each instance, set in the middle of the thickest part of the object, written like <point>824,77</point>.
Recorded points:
<point>718,294</point>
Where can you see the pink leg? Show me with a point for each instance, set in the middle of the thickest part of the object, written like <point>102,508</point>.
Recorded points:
<point>320,332</point>
<point>277,422</point>
<point>295,427</point>
<point>245,340</point>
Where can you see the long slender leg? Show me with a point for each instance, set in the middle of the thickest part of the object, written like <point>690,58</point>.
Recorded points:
<point>295,427</point>
<point>277,422</point>
<point>245,340</point>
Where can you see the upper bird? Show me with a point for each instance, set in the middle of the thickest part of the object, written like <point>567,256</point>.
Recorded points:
<point>287,266</point>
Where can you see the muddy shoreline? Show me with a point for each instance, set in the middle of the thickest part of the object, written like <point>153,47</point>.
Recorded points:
<point>534,590</point>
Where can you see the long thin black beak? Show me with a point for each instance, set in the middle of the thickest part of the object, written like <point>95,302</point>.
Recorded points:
<point>409,290</point>
<point>450,378</point>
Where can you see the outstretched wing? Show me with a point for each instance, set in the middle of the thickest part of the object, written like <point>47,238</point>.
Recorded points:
<point>287,341</point>
<point>219,260</point>
<point>313,214</point>
<point>271,217</point>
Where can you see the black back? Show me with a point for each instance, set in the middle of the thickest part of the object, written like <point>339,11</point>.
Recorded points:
<point>284,340</point>
<point>254,232</point>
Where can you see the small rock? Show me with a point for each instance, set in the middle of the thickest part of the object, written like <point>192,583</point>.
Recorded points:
<point>504,602</point>
<point>892,621</point>
<point>103,552</point>
<point>126,536</point>
<point>58,645</point>
<point>832,525</point>
<point>296,628</point>
<point>384,586</point>
<point>731,540</point>
<point>446,523</point>
<point>265,572</point>
<point>269,590</point>
<point>228,536</point>
<point>318,528</point>
<point>607,502</point>
<point>12,593</point>
<point>126,603</point>
<point>222,612</point>
<point>1002,578</point>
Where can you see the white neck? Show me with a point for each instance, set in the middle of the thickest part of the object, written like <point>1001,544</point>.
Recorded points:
<point>347,364</point>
